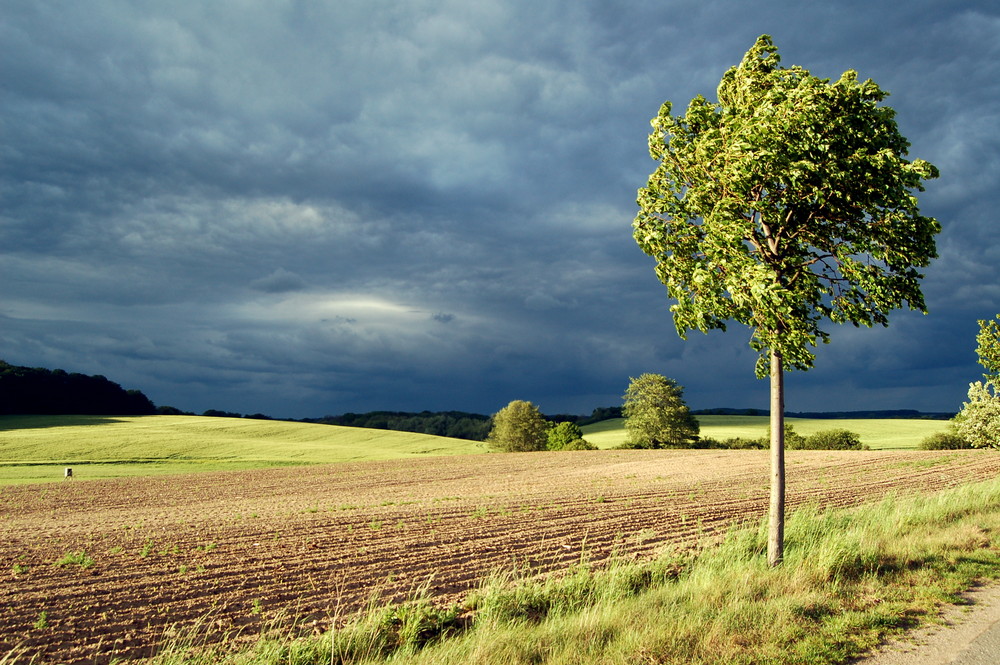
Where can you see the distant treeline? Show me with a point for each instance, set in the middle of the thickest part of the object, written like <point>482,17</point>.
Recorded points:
<point>908,414</point>
<point>38,391</point>
<point>455,424</point>
<point>475,426</point>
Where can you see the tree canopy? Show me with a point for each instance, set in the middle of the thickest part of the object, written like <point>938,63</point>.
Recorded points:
<point>656,415</point>
<point>36,390</point>
<point>518,427</point>
<point>786,202</point>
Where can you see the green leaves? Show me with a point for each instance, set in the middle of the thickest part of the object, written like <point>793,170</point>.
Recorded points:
<point>786,202</point>
<point>979,420</point>
<point>988,349</point>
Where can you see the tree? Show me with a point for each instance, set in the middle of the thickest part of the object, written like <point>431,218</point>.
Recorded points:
<point>564,436</point>
<point>787,202</point>
<point>656,415</point>
<point>518,427</point>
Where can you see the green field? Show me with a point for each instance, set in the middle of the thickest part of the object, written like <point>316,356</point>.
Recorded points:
<point>38,448</point>
<point>877,434</point>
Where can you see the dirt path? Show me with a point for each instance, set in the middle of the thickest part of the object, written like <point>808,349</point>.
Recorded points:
<point>968,635</point>
<point>238,550</point>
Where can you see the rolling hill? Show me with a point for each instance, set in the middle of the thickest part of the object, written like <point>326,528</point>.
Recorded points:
<point>38,448</point>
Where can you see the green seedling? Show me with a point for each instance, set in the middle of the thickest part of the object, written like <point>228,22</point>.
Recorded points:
<point>80,558</point>
<point>43,621</point>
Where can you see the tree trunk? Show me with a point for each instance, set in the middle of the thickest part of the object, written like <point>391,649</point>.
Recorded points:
<point>776,524</point>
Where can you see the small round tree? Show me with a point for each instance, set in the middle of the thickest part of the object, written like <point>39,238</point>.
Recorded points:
<point>656,415</point>
<point>518,427</point>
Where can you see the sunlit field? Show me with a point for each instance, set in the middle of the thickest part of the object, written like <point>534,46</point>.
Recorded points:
<point>877,434</point>
<point>38,448</point>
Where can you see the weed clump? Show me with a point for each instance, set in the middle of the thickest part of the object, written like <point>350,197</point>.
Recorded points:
<point>80,558</point>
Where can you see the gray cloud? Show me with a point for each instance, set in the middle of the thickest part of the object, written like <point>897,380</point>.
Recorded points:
<point>276,209</point>
<point>279,281</point>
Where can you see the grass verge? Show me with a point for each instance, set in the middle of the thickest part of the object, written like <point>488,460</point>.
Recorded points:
<point>850,578</point>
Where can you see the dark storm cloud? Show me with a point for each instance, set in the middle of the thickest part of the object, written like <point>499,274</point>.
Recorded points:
<point>305,208</point>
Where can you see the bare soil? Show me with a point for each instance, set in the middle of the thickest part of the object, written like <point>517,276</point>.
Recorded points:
<point>232,552</point>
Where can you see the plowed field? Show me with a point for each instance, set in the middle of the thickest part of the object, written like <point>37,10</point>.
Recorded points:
<point>237,549</point>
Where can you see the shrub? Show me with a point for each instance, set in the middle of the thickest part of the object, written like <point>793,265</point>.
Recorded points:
<point>579,444</point>
<point>832,439</point>
<point>793,441</point>
<point>948,440</point>
<point>739,443</point>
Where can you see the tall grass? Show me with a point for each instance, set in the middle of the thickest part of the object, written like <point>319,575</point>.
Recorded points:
<point>850,578</point>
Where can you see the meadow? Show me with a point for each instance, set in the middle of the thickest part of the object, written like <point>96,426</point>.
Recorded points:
<point>877,434</point>
<point>38,448</point>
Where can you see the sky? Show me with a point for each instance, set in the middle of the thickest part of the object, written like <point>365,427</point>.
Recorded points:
<point>308,208</point>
